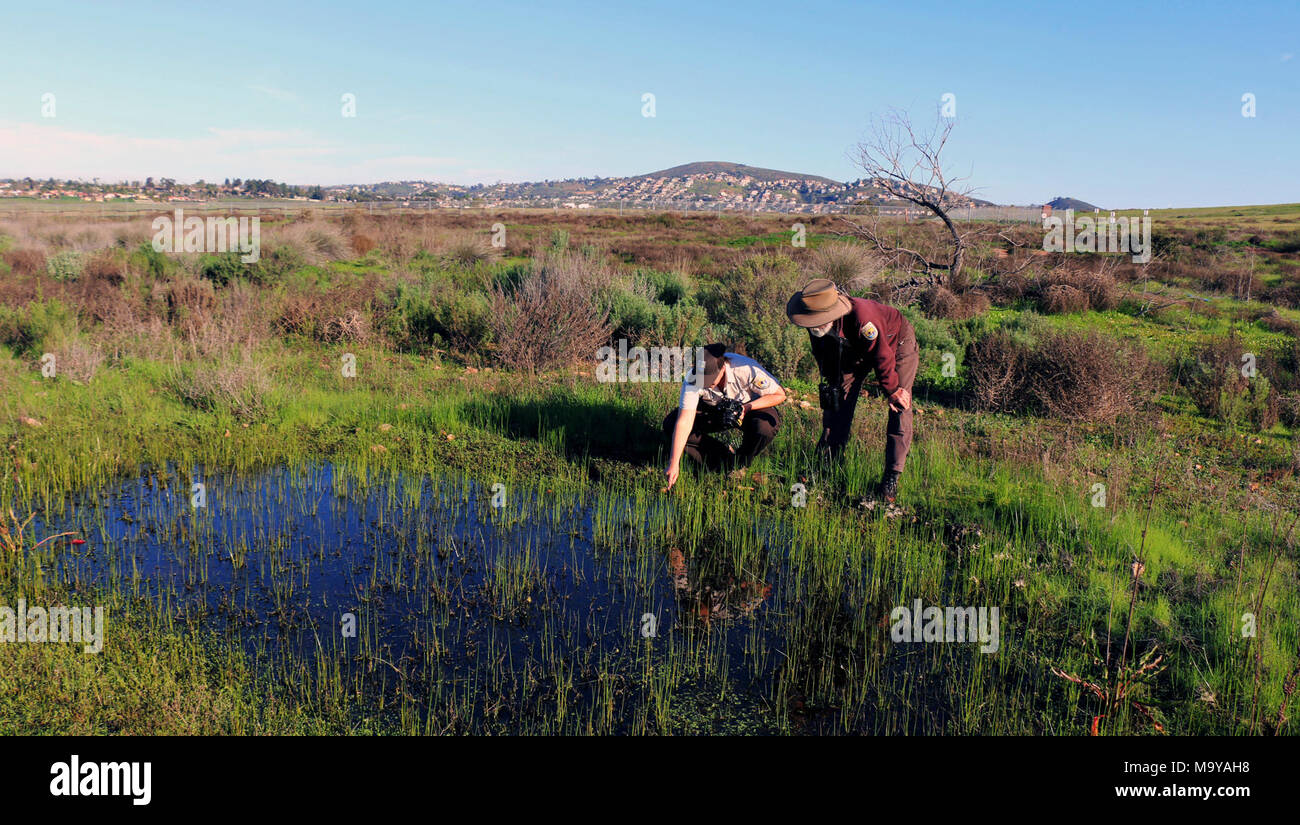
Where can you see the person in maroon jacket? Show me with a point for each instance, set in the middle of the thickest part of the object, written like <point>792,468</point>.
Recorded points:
<point>852,337</point>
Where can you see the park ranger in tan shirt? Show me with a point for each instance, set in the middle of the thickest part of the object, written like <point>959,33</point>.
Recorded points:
<point>725,375</point>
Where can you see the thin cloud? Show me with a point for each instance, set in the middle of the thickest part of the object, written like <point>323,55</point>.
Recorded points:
<point>272,92</point>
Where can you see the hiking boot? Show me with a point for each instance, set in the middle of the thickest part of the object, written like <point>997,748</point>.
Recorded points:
<point>889,486</point>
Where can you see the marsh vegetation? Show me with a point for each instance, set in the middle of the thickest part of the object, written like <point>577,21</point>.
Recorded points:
<point>522,608</point>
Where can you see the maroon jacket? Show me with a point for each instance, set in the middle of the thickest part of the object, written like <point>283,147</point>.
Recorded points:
<point>846,349</point>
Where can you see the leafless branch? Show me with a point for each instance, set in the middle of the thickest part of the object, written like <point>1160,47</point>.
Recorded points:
<point>906,164</point>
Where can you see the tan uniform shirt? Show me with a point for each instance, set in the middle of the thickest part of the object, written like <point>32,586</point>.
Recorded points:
<point>746,380</point>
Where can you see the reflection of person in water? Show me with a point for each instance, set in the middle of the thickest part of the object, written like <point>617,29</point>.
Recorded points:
<point>716,594</point>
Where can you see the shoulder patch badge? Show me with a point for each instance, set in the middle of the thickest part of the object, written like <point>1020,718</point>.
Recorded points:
<point>761,382</point>
<point>869,331</point>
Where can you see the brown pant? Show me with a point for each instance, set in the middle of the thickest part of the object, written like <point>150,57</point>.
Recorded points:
<point>758,429</point>
<point>836,426</point>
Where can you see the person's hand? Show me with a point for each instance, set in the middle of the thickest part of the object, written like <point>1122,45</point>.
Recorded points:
<point>671,475</point>
<point>901,400</point>
<point>743,409</point>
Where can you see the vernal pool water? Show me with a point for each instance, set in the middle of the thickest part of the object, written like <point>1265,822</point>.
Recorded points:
<point>497,609</point>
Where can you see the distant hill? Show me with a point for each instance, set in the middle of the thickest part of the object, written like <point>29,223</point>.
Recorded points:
<point>720,166</point>
<point>715,184</point>
<point>1062,203</point>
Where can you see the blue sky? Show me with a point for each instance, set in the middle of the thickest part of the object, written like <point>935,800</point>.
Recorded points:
<point>1120,104</point>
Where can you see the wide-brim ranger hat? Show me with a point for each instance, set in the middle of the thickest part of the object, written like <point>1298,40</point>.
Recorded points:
<point>819,302</point>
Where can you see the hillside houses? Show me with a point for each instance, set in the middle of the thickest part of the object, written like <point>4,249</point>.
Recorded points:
<point>707,186</point>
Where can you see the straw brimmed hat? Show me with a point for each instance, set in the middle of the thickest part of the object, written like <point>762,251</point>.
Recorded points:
<point>819,302</point>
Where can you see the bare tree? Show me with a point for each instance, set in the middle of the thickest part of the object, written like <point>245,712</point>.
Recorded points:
<point>906,164</point>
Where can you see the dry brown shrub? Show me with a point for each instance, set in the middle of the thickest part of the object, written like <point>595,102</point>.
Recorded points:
<point>246,312</point>
<point>1086,376</point>
<point>996,371</point>
<point>398,240</point>
<point>190,302</point>
<point>339,314</point>
<point>49,234</point>
<point>361,244</point>
<point>1288,408</point>
<point>352,326</point>
<point>239,321</point>
<point>553,318</point>
<point>25,261</point>
<point>106,264</point>
<point>77,359</point>
<point>1059,299</point>
<point>96,295</point>
<point>1284,294</point>
<point>148,338</point>
<point>1240,283</point>
<point>885,291</point>
<point>16,290</point>
<point>1205,275</point>
<point>134,322</point>
<point>1009,288</point>
<point>1067,375</point>
<point>1101,289</point>
<point>940,302</point>
<point>974,303</point>
<point>81,237</point>
<point>1098,287</point>
<point>1128,272</point>
<point>299,312</point>
<point>130,234</point>
<point>1277,322</point>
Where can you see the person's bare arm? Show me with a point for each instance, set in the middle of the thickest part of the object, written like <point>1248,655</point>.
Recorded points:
<point>763,402</point>
<point>681,432</point>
